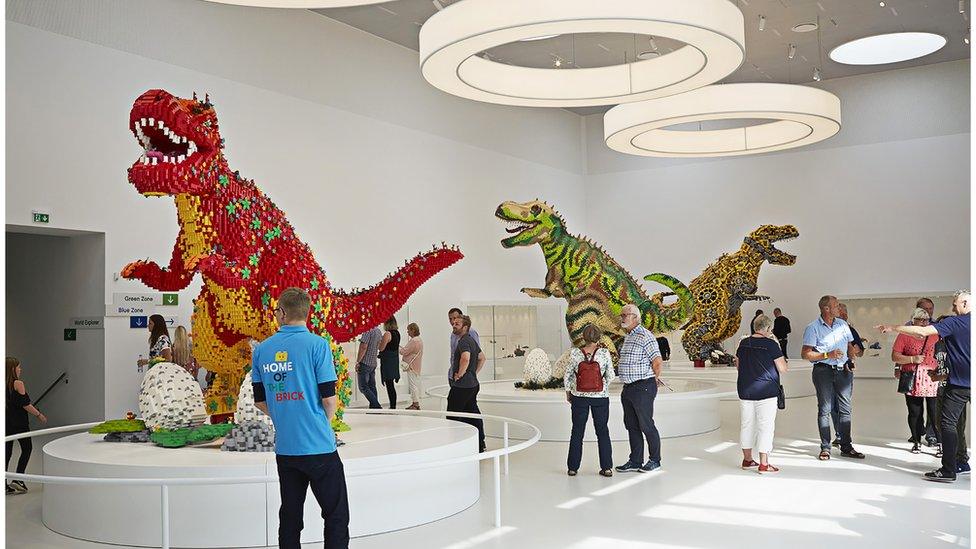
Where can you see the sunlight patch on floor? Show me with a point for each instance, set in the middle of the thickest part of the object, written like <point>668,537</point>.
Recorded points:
<point>750,518</point>
<point>481,538</point>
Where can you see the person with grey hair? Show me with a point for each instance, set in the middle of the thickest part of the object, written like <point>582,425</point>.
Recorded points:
<point>913,360</point>
<point>639,368</point>
<point>760,362</point>
<point>829,345</point>
<point>587,381</point>
<point>957,333</point>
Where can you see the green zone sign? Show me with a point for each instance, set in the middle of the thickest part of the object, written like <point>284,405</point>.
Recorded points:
<point>171,299</point>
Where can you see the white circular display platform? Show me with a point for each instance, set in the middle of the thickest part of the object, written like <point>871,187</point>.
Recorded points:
<point>688,410</point>
<point>797,381</point>
<point>246,515</point>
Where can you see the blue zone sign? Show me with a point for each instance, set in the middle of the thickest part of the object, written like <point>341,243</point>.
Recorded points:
<point>138,321</point>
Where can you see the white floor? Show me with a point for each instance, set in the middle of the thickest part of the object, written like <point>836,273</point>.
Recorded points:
<point>698,499</point>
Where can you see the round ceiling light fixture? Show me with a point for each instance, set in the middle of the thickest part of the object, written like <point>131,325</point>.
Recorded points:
<point>450,41</point>
<point>798,116</point>
<point>299,4</point>
<point>887,48</point>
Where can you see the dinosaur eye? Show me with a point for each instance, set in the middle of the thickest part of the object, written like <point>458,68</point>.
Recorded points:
<point>536,210</point>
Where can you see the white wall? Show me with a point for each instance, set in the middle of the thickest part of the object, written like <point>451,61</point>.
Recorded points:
<point>363,192</point>
<point>51,279</point>
<point>875,215</point>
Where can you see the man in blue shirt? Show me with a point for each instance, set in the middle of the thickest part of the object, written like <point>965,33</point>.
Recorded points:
<point>294,382</point>
<point>829,345</point>
<point>639,368</point>
<point>956,331</point>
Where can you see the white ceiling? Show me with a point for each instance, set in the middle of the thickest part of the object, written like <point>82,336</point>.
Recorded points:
<point>766,51</point>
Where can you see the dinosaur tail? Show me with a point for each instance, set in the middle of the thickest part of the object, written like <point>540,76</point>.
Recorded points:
<point>353,313</point>
<point>670,317</point>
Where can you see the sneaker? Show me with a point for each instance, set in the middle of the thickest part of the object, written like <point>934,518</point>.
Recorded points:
<point>939,476</point>
<point>606,472</point>
<point>836,443</point>
<point>765,469</point>
<point>650,466</point>
<point>938,451</point>
<point>930,442</point>
<point>962,469</point>
<point>628,468</point>
<point>916,449</point>
<point>749,464</point>
<point>571,472</point>
<point>10,490</point>
<point>19,485</point>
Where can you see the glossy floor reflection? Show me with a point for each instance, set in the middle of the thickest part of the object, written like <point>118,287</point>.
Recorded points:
<point>698,499</point>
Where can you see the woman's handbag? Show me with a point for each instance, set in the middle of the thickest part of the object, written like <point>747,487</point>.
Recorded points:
<point>404,366</point>
<point>781,398</point>
<point>906,380</point>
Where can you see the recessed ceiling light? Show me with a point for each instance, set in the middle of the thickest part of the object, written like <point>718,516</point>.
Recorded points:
<point>809,26</point>
<point>648,54</point>
<point>887,48</point>
<point>534,38</point>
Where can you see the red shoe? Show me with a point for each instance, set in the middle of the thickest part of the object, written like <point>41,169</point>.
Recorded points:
<point>749,464</point>
<point>768,469</point>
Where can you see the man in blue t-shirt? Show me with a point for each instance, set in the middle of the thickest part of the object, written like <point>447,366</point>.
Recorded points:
<point>294,382</point>
<point>956,332</point>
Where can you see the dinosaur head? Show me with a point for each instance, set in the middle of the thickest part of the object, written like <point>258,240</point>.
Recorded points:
<point>181,145</point>
<point>763,240</point>
<point>529,222</point>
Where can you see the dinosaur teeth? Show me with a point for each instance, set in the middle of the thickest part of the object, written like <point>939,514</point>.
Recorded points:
<point>152,122</point>
<point>181,158</point>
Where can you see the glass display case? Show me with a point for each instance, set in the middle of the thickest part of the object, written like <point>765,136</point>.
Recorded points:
<point>508,331</point>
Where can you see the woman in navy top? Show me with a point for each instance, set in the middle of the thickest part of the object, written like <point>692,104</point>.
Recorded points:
<point>760,362</point>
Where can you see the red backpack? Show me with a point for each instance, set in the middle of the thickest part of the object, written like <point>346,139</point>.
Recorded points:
<point>589,378</point>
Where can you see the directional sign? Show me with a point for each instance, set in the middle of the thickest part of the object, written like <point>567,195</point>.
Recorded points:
<point>87,323</point>
<point>138,322</point>
<point>145,300</point>
<point>171,299</point>
<point>70,334</point>
<point>172,321</point>
<point>41,217</point>
<point>128,310</point>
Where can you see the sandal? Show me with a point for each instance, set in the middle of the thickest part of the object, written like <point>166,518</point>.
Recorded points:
<point>606,472</point>
<point>824,455</point>
<point>853,454</point>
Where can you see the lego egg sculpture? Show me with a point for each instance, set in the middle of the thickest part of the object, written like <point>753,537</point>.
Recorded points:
<point>562,364</point>
<point>246,410</point>
<point>170,398</point>
<point>538,368</point>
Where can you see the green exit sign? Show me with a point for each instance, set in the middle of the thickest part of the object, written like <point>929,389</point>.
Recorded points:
<point>70,334</point>
<point>41,217</point>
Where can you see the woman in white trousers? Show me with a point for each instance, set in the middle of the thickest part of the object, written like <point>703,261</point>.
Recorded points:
<point>412,355</point>
<point>760,362</point>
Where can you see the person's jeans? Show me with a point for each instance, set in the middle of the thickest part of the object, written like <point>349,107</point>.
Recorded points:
<point>465,399</point>
<point>580,408</point>
<point>366,380</point>
<point>961,454</point>
<point>953,404</point>
<point>638,402</point>
<point>833,390</point>
<point>918,408</point>
<point>325,474</point>
<point>782,346</point>
<point>835,415</point>
<point>26,446</point>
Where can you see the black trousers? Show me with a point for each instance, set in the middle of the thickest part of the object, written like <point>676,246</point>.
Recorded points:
<point>637,399</point>
<point>953,405</point>
<point>961,454</point>
<point>782,346</point>
<point>461,399</point>
<point>26,446</point>
<point>391,392</point>
<point>581,408</point>
<point>325,475</point>
<point>918,408</point>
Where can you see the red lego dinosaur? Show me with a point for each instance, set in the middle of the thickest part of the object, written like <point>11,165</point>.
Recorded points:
<point>242,245</point>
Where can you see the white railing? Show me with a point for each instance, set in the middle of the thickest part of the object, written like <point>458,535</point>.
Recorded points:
<point>165,483</point>
<point>440,391</point>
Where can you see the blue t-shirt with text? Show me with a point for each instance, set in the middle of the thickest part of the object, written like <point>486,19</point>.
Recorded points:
<point>291,364</point>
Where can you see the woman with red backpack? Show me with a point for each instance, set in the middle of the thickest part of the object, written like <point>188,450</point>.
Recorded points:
<point>587,384</point>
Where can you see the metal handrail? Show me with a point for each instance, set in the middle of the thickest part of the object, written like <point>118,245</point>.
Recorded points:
<point>48,390</point>
<point>165,483</point>
<point>670,396</point>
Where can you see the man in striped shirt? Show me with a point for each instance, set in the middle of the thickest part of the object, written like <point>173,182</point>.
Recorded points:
<point>639,369</point>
